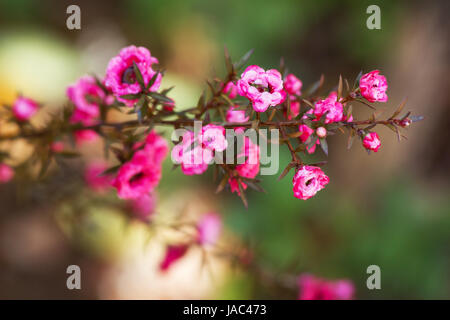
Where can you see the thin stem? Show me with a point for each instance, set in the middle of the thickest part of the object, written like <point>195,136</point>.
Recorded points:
<point>295,158</point>
<point>186,122</point>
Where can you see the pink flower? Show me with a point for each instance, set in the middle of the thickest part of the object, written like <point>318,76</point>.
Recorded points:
<point>6,173</point>
<point>307,181</point>
<point>234,185</point>
<point>85,135</point>
<point>333,108</point>
<point>194,159</point>
<point>250,167</point>
<point>236,115</point>
<point>348,119</point>
<point>143,207</point>
<point>373,86</point>
<point>85,95</point>
<point>24,108</point>
<point>262,88</point>
<point>208,229</point>
<point>295,108</point>
<point>173,254</point>
<point>333,95</point>
<point>306,132</point>
<point>293,85</point>
<point>155,147</point>
<point>94,178</point>
<point>312,288</point>
<point>230,89</point>
<point>372,141</point>
<point>137,177</point>
<point>213,137</point>
<point>120,77</point>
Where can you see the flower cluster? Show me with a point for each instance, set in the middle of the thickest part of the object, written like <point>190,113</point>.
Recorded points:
<point>131,80</point>
<point>132,85</point>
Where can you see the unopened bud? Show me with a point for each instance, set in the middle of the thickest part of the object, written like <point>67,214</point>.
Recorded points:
<point>405,123</point>
<point>321,132</point>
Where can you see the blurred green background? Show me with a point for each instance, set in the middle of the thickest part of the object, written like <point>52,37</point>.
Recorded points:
<point>389,209</point>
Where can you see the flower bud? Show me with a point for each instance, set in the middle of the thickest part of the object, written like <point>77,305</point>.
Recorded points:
<point>405,122</point>
<point>321,132</point>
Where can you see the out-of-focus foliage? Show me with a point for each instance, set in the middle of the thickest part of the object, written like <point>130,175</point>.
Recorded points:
<point>337,235</point>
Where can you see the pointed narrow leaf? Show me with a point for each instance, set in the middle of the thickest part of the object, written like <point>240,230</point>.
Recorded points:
<point>347,86</point>
<point>288,106</point>
<point>130,96</point>
<point>242,194</point>
<point>351,138</point>
<point>238,65</point>
<point>166,91</point>
<point>399,109</point>
<point>110,170</point>
<point>222,183</point>
<point>286,170</point>
<point>227,99</point>
<point>152,81</point>
<point>138,75</point>
<point>308,103</point>
<point>140,103</point>
<point>416,118</point>
<point>356,83</point>
<point>365,103</point>
<point>295,134</point>
<point>255,186</point>
<point>324,145</point>
<point>160,97</point>
<point>228,62</point>
<point>340,87</point>
<point>316,86</point>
